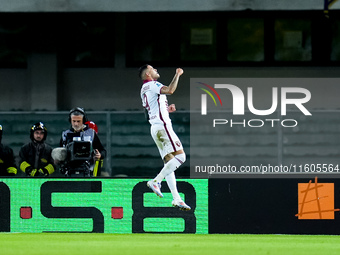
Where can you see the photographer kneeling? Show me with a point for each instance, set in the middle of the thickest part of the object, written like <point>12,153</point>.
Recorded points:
<point>82,151</point>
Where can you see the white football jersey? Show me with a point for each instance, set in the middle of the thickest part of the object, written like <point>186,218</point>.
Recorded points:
<point>155,103</point>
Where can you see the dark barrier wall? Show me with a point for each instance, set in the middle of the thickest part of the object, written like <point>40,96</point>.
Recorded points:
<point>265,206</point>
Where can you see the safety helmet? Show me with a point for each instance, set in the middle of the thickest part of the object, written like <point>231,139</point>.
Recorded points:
<point>38,126</point>
<point>0,133</point>
<point>92,125</point>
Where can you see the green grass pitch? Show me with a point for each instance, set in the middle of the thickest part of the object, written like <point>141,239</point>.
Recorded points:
<point>86,244</point>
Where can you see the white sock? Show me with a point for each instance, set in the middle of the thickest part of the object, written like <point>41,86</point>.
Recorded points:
<point>171,166</point>
<point>171,181</point>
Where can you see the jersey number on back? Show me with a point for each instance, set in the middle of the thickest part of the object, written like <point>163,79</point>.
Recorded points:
<point>146,103</point>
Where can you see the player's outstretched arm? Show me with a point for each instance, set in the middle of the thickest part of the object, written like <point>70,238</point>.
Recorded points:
<point>173,85</point>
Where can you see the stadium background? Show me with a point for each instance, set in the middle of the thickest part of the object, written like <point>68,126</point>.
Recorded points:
<point>56,55</point>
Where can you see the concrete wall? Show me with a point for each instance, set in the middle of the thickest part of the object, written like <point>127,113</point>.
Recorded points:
<point>157,5</point>
<point>15,89</point>
<point>45,86</point>
<point>119,88</point>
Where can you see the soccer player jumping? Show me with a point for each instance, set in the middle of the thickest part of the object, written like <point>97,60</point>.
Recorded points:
<point>153,94</point>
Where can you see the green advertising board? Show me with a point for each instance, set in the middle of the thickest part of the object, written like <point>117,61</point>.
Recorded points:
<point>100,205</point>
